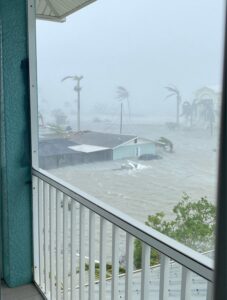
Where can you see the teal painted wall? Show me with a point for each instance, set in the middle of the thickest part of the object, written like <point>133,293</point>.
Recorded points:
<point>130,151</point>
<point>15,147</point>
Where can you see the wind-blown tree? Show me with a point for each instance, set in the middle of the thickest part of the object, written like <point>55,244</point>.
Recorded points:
<point>193,224</point>
<point>189,111</point>
<point>174,92</point>
<point>123,95</point>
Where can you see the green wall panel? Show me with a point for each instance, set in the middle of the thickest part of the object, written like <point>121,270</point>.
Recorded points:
<point>15,146</point>
<point>132,151</point>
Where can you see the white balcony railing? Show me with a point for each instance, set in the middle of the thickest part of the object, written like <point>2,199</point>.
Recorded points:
<point>79,241</point>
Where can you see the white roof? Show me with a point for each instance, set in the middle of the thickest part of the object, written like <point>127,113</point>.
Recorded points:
<point>87,148</point>
<point>57,10</point>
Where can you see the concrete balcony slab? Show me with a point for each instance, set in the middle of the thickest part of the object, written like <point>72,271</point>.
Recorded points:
<point>25,292</point>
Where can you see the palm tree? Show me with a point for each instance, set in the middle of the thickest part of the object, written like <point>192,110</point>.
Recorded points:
<point>208,113</point>
<point>187,112</point>
<point>175,92</point>
<point>122,95</point>
<point>77,89</point>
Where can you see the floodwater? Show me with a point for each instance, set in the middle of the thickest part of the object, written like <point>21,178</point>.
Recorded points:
<point>155,185</point>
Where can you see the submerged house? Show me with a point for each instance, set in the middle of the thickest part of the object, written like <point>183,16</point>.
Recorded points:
<point>56,153</point>
<point>90,146</point>
<point>121,146</point>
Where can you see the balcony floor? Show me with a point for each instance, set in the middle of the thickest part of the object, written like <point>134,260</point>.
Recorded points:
<point>25,292</point>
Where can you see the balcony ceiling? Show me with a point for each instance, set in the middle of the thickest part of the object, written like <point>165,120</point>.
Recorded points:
<point>57,10</point>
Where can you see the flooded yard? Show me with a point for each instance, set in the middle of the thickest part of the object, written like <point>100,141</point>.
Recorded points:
<point>155,185</point>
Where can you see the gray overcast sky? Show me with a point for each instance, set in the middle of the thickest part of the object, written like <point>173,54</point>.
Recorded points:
<point>142,45</point>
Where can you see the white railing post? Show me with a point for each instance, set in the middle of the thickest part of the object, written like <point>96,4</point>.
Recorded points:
<point>102,260</point>
<point>41,237</point>
<point>73,249</point>
<point>52,243</point>
<point>164,277</point>
<point>65,247</point>
<point>82,252</point>
<point>59,235</point>
<point>146,252</point>
<point>186,284</point>
<point>129,266</point>
<point>46,237</point>
<point>35,209</point>
<point>91,255</point>
<point>115,262</point>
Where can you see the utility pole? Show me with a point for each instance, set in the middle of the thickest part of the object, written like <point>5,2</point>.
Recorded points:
<point>122,94</point>
<point>77,89</point>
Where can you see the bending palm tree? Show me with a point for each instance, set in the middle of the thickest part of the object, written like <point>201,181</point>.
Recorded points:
<point>77,89</point>
<point>175,92</point>
<point>123,94</point>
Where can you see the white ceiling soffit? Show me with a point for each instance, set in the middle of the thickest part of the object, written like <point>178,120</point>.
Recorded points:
<point>57,10</point>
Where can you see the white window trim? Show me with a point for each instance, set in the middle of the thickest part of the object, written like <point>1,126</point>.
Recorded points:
<point>31,11</point>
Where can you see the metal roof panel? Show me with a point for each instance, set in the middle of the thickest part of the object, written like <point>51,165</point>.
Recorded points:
<point>58,9</point>
<point>101,139</point>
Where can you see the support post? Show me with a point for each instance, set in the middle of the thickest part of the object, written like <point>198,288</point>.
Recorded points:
<point>16,187</point>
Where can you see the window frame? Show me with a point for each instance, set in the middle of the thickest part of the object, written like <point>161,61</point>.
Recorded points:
<point>220,281</point>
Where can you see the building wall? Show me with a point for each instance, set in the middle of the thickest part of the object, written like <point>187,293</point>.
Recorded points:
<point>59,161</point>
<point>16,215</point>
<point>134,150</point>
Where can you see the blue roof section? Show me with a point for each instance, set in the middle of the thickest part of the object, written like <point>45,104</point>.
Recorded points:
<point>57,146</point>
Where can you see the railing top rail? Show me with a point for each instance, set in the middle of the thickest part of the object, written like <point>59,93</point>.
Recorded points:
<point>180,253</point>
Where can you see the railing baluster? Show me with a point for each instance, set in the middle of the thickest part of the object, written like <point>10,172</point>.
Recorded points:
<point>92,255</point>
<point>186,284</point>
<point>65,246</point>
<point>164,277</point>
<point>35,205</point>
<point>82,252</point>
<point>41,237</point>
<point>102,260</point>
<point>115,262</point>
<point>58,244</point>
<point>46,237</point>
<point>129,267</point>
<point>73,249</point>
<point>209,291</point>
<point>52,242</point>
<point>146,250</point>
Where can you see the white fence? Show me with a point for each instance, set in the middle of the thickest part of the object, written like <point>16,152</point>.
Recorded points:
<point>70,232</point>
